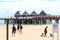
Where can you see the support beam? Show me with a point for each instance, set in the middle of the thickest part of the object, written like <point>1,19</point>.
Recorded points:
<point>7,30</point>
<point>57,21</point>
<point>50,21</point>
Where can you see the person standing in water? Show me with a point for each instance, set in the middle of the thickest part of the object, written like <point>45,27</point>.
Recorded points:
<point>45,30</point>
<point>13,30</point>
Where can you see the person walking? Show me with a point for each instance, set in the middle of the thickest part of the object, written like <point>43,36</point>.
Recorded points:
<point>45,30</point>
<point>21,28</point>
<point>18,27</point>
<point>13,30</point>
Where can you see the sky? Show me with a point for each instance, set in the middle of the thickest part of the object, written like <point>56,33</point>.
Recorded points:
<point>9,7</point>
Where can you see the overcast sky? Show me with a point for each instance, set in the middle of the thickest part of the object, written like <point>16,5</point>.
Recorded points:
<point>9,7</point>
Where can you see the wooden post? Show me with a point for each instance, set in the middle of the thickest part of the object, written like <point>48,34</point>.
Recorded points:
<point>7,34</point>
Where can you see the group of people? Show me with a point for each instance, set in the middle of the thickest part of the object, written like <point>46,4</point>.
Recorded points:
<point>19,27</point>
<point>45,32</point>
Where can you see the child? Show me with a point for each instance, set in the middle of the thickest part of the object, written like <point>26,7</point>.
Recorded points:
<point>13,30</point>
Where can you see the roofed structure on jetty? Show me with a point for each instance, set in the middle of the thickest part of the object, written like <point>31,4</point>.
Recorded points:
<point>33,13</point>
<point>42,13</point>
<point>17,14</point>
<point>25,14</point>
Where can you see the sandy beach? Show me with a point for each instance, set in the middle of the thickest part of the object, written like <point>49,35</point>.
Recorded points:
<point>30,32</point>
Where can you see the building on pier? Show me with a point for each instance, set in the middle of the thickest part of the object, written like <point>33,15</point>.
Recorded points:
<point>34,18</point>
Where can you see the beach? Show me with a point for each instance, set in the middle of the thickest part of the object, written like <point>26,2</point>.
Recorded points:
<point>29,32</point>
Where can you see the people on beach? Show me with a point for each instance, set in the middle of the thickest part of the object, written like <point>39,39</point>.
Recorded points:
<point>18,27</point>
<point>13,30</point>
<point>21,28</point>
<point>45,31</point>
